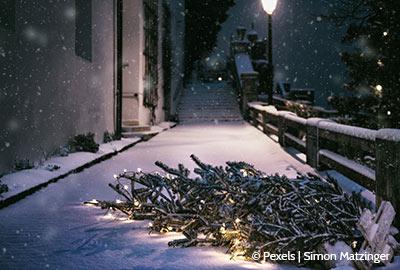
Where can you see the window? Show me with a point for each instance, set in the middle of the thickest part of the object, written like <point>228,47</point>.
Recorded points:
<point>7,15</point>
<point>83,29</point>
<point>151,53</point>
<point>166,57</point>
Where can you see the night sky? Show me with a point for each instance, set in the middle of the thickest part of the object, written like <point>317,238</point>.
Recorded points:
<point>306,48</point>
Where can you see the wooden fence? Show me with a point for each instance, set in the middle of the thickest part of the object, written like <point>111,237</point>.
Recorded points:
<point>327,144</point>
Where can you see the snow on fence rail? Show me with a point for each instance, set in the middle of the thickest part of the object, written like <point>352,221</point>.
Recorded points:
<point>331,145</point>
<point>246,78</point>
<point>283,103</point>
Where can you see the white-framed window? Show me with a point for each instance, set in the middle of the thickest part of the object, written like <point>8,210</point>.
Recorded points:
<point>83,29</point>
<point>7,15</point>
<point>151,53</point>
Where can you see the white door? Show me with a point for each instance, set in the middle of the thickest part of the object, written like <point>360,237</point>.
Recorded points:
<point>131,60</point>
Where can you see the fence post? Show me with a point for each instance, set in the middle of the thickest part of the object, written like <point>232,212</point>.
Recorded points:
<point>282,127</point>
<point>264,121</point>
<point>387,145</point>
<point>250,113</point>
<point>312,143</point>
<point>249,83</point>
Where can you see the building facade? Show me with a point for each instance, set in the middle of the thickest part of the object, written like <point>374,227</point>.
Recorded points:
<point>70,67</point>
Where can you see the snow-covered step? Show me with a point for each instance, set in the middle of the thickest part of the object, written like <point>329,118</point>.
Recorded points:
<point>198,115</point>
<point>149,133</point>
<point>208,115</point>
<point>209,103</point>
<point>194,121</point>
<point>205,103</point>
<point>210,98</point>
<point>204,94</point>
<point>211,118</point>
<point>209,109</point>
<point>135,128</point>
<point>221,114</point>
<point>131,122</point>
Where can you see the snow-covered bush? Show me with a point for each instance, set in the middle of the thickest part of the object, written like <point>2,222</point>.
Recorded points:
<point>84,143</point>
<point>109,137</point>
<point>3,188</point>
<point>23,164</point>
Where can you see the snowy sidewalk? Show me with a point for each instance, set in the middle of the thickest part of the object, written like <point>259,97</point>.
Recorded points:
<point>52,229</point>
<point>26,182</point>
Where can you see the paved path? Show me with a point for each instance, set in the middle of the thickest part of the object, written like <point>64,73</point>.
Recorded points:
<point>52,230</point>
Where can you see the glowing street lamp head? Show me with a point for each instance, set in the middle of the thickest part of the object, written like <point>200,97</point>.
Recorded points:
<point>269,5</point>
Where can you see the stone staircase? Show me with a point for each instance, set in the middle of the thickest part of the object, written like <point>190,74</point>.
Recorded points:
<point>209,102</point>
<point>134,130</point>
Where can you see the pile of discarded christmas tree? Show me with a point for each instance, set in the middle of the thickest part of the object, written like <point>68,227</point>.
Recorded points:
<point>240,208</point>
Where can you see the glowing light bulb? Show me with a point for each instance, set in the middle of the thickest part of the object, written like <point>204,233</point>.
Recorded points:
<point>269,6</point>
<point>389,112</point>
<point>385,33</point>
<point>354,244</point>
<point>379,87</point>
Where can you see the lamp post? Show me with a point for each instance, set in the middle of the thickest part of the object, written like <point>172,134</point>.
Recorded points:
<point>269,7</point>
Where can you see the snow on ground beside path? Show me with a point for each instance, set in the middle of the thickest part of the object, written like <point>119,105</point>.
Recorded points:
<point>24,180</point>
<point>52,230</point>
<point>18,182</point>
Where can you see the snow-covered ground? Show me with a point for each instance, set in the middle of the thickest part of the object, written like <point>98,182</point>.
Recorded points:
<point>27,181</point>
<point>24,180</point>
<point>52,229</point>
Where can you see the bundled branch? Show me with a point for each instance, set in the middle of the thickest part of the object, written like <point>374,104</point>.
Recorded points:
<point>239,207</point>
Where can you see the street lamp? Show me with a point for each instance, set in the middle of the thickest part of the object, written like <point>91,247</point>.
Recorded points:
<point>269,7</point>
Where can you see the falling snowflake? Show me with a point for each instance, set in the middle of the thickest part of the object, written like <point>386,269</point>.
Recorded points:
<point>2,52</point>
